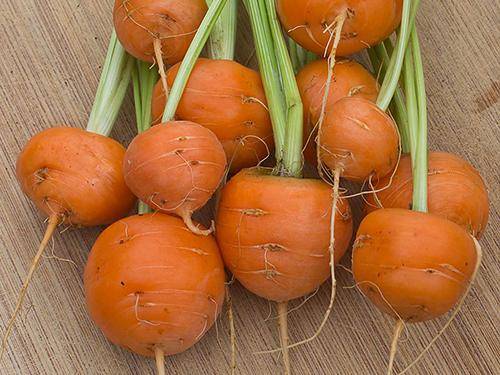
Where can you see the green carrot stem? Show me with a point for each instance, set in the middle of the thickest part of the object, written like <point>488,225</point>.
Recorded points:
<point>379,57</point>
<point>299,56</point>
<point>292,149</point>
<point>222,41</point>
<point>391,79</point>
<point>143,79</point>
<point>270,73</point>
<point>420,169</point>
<point>113,85</point>
<point>411,102</point>
<point>192,55</point>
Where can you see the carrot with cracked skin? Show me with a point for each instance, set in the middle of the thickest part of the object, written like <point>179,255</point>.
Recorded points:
<point>367,23</point>
<point>227,98</point>
<point>412,264</point>
<point>273,227</point>
<point>139,23</point>
<point>456,191</point>
<point>350,79</point>
<point>176,167</point>
<point>152,286</point>
<point>74,176</point>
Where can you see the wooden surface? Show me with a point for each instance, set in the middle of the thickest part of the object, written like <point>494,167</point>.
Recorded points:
<point>50,61</point>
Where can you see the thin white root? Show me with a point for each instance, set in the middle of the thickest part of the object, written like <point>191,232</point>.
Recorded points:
<point>398,329</point>
<point>331,250</point>
<point>160,361</point>
<point>232,329</point>
<point>161,66</point>
<point>51,227</point>
<point>188,220</point>
<point>336,34</point>
<point>479,252</point>
<point>283,326</point>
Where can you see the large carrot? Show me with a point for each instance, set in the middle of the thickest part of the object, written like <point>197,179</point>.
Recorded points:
<point>412,264</point>
<point>273,227</point>
<point>175,167</point>
<point>152,286</point>
<point>74,176</point>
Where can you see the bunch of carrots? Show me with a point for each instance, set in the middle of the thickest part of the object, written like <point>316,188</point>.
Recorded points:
<point>211,129</point>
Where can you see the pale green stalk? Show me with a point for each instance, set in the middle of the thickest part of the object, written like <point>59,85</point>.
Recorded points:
<point>411,102</point>
<point>222,41</point>
<point>391,79</point>
<point>113,85</point>
<point>270,73</point>
<point>420,170</point>
<point>143,79</point>
<point>292,149</point>
<point>192,55</point>
<point>379,58</point>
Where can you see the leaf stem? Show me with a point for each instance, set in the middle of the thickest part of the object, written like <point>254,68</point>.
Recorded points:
<point>270,73</point>
<point>192,55</point>
<point>113,85</point>
<point>143,79</point>
<point>391,79</point>
<point>420,169</point>
<point>222,41</point>
<point>379,57</point>
<point>292,149</point>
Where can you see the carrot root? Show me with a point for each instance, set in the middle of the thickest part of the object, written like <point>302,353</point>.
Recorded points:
<point>232,329</point>
<point>188,220</point>
<point>161,68</point>
<point>398,329</point>
<point>160,361</point>
<point>283,327</point>
<point>53,222</point>
<point>455,313</point>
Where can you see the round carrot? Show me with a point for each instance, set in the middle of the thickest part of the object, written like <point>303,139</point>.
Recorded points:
<point>359,139</point>
<point>414,266</point>
<point>175,167</point>
<point>227,98</point>
<point>152,284</point>
<point>349,79</point>
<point>75,175</point>
<point>311,23</point>
<point>279,252</point>
<point>171,23</point>
<point>456,191</point>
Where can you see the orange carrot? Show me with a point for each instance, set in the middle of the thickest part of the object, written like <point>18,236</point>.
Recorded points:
<point>367,22</point>
<point>349,79</point>
<point>152,285</point>
<point>227,98</point>
<point>456,191</point>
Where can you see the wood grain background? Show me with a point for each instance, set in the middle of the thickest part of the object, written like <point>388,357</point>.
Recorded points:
<point>50,60</point>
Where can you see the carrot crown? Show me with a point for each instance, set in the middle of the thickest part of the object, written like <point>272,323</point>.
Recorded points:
<point>113,85</point>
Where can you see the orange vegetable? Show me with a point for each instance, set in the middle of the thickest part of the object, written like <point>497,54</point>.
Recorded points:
<point>175,168</point>
<point>358,139</point>
<point>228,99</point>
<point>150,284</point>
<point>456,191</point>
<point>279,252</point>
<point>349,79</point>
<point>138,23</point>
<point>412,265</point>
<point>367,22</point>
<point>75,175</point>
